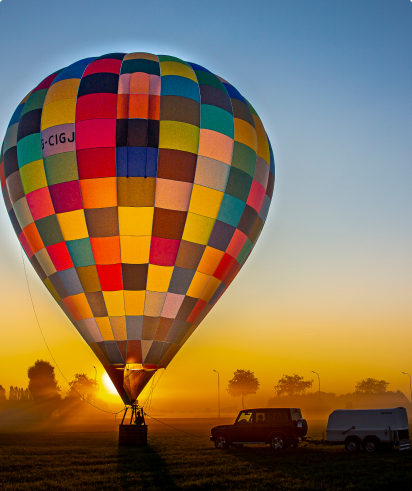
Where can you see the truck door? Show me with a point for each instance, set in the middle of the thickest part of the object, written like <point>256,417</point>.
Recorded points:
<point>281,422</point>
<point>261,427</point>
<point>243,427</point>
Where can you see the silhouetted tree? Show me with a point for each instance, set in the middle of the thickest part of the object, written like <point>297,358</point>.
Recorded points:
<point>243,384</point>
<point>292,385</point>
<point>43,385</point>
<point>371,386</point>
<point>3,397</point>
<point>83,387</point>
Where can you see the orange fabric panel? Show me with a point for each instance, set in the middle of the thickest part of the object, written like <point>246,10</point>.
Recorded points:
<point>99,193</point>
<point>106,250</point>
<point>33,237</point>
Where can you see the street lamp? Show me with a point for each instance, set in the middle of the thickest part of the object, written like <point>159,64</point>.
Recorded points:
<point>218,393</point>
<point>95,373</point>
<point>410,383</point>
<point>318,381</point>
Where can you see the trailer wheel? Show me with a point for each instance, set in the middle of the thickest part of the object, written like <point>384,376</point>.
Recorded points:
<point>370,444</point>
<point>352,444</point>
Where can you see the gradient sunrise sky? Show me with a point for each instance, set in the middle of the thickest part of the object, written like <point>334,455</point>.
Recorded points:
<point>329,285</point>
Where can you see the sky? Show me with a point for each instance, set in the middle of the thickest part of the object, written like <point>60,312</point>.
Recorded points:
<point>328,286</point>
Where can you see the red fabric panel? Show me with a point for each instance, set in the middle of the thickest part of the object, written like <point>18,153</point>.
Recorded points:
<point>26,246</point>
<point>196,311</point>
<point>107,65</point>
<point>2,175</point>
<point>96,106</point>
<point>66,196</point>
<point>60,256</point>
<point>46,82</point>
<point>68,302</point>
<point>40,203</point>
<point>224,266</point>
<point>96,162</point>
<point>163,252</point>
<point>94,133</point>
<point>110,276</point>
<point>256,196</point>
<point>134,352</point>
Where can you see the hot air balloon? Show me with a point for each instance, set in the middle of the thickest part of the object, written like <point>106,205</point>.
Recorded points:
<point>137,186</point>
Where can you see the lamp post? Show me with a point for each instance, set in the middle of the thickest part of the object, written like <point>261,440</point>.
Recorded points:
<point>95,373</point>
<point>318,381</point>
<point>218,393</point>
<point>410,383</point>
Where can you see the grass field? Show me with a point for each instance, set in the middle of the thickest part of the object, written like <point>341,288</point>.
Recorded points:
<point>80,458</point>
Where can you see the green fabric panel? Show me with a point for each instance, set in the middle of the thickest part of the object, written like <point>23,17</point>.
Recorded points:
<point>244,252</point>
<point>140,65</point>
<point>206,78</point>
<point>172,58</point>
<point>216,119</point>
<point>80,252</point>
<point>29,149</point>
<point>33,176</point>
<point>49,230</point>
<point>252,110</point>
<point>244,158</point>
<point>35,101</point>
<point>238,184</point>
<point>61,167</point>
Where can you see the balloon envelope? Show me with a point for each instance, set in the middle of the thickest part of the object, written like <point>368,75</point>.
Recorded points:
<point>137,186</point>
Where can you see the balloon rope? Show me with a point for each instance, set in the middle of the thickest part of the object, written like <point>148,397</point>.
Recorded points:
<point>47,346</point>
<point>170,426</point>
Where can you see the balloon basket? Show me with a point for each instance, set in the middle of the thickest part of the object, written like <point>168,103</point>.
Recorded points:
<point>132,435</point>
<point>134,432</point>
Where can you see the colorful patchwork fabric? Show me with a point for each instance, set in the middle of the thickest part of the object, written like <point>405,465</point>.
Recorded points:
<point>137,186</point>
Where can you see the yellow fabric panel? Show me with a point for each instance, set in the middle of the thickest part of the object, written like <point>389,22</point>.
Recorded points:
<point>33,176</point>
<point>119,328</point>
<point>135,250</point>
<point>143,56</point>
<point>51,289</point>
<point>82,305</point>
<point>45,262</point>
<point>210,260</point>
<point>154,303</point>
<point>105,328</point>
<point>158,278</point>
<point>134,302</point>
<point>198,284</point>
<point>210,289</point>
<point>245,133</point>
<point>73,225</point>
<point>198,228</point>
<point>59,112</point>
<point>179,136</point>
<point>65,89</point>
<point>136,221</point>
<point>175,68</point>
<point>263,145</point>
<point>205,201</point>
<point>114,303</point>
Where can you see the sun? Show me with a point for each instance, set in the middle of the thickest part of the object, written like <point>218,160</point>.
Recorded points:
<point>108,385</point>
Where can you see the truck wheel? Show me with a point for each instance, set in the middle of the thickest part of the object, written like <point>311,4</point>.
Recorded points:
<point>370,444</point>
<point>278,442</point>
<point>221,441</point>
<point>352,444</point>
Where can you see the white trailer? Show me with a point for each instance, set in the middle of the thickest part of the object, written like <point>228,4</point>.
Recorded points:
<point>369,429</point>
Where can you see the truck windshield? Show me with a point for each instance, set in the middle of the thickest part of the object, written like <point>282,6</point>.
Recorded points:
<point>244,417</point>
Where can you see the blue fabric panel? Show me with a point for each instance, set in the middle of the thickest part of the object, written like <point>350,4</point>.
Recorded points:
<point>16,115</point>
<point>71,281</point>
<point>73,71</point>
<point>198,67</point>
<point>136,161</point>
<point>181,86</point>
<point>234,93</point>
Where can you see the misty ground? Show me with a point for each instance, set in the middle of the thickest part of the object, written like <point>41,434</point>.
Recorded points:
<point>53,455</point>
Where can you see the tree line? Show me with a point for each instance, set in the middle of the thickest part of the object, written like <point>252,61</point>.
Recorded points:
<point>245,383</point>
<point>43,391</point>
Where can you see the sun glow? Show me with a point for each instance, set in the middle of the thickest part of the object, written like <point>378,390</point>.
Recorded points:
<point>108,385</point>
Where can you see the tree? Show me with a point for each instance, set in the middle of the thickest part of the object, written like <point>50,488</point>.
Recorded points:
<point>292,385</point>
<point>243,384</point>
<point>371,386</point>
<point>3,397</point>
<point>84,387</point>
<point>43,385</point>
